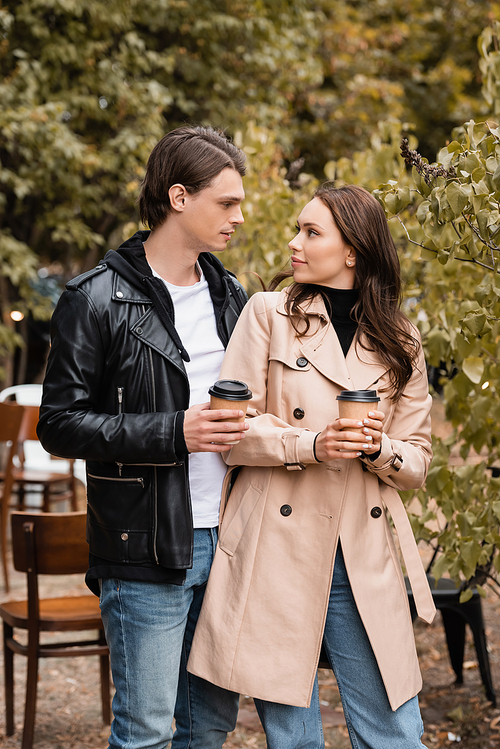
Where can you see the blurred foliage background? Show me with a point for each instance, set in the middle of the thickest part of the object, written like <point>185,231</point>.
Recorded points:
<point>310,90</point>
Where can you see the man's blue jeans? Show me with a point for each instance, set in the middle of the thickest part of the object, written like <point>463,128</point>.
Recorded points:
<point>370,721</point>
<point>149,629</point>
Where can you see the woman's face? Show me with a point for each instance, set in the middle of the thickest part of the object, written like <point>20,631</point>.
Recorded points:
<point>319,254</point>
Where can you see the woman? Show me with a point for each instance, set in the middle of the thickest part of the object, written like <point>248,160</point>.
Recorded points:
<point>306,555</point>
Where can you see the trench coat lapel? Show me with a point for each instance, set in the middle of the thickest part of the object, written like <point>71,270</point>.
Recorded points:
<point>360,370</point>
<point>365,368</point>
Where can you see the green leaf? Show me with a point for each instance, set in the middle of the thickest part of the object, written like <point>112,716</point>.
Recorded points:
<point>391,202</point>
<point>473,367</point>
<point>475,322</point>
<point>437,344</point>
<point>440,567</point>
<point>470,163</point>
<point>496,178</point>
<point>457,197</point>
<point>481,591</point>
<point>422,211</point>
<point>466,595</point>
<point>482,218</point>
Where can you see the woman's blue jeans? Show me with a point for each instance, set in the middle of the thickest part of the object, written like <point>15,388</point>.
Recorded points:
<point>370,721</point>
<point>149,629</point>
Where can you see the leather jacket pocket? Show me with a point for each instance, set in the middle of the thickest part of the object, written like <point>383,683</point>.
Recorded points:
<point>118,517</point>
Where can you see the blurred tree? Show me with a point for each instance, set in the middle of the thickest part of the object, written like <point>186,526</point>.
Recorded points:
<point>410,59</point>
<point>88,88</point>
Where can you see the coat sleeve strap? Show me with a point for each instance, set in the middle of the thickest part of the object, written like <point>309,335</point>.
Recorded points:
<point>291,443</point>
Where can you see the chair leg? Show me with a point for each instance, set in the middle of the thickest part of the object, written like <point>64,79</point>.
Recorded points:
<point>476,624</point>
<point>20,498</point>
<point>30,706</point>
<point>454,627</point>
<point>46,499</point>
<point>4,511</point>
<point>8,657</point>
<point>74,504</point>
<point>105,697</point>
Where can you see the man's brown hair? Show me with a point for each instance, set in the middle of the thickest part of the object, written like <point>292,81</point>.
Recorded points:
<point>190,156</point>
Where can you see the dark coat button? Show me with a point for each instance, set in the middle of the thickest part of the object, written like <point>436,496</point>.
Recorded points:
<point>302,361</point>
<point>285,510</point>
<point>299,413</point>
<point>376,512</point>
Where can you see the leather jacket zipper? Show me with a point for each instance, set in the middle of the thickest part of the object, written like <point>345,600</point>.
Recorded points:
<point>132,479</point>
<point>120,400</point>
<point>155,476</point>
<point>120,411</point>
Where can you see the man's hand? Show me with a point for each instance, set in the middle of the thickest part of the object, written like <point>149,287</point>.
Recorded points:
<point>204,432</point>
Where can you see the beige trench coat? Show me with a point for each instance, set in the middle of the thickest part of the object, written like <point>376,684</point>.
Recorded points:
<point>262,621</point>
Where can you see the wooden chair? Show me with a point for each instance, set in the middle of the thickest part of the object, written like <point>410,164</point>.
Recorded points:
<point>56,486</point>
<point>49,544</point>
<point>26,395</point>
<point>11,415</point>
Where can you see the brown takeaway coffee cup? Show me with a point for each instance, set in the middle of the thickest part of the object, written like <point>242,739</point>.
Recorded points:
<point>355,404</point>
<point>232,394</point>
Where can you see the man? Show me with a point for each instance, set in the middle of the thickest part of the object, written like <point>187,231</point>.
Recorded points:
<point>136,343</point>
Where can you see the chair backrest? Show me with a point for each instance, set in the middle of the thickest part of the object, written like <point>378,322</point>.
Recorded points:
<point>36,457</point>
<point>28,425</point>
<point>11,416</point>
<point>60,542</point>
<point>26,395</point>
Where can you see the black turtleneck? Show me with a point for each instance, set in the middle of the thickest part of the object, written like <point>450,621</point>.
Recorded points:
<point>339,304</point>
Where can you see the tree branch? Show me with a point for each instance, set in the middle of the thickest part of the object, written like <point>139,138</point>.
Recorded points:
<point>493,247</point>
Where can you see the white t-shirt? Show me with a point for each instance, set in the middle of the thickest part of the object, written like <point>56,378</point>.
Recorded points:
<point>195,323</point>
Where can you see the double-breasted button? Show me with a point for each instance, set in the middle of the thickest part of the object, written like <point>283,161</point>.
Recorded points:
<point>119,294</point>
<point>302,361</point>
<point>124,537</point>
<point>376,512</point>
<point>299,413</point>
<point>285,510</point>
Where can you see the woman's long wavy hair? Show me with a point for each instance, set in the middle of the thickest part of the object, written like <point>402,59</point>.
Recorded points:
<point>382,327</point>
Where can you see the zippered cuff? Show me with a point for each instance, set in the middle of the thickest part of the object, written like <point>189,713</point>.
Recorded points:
<point>180,446</point>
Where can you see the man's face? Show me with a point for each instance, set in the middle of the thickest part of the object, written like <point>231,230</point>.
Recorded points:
<point>211,215</point>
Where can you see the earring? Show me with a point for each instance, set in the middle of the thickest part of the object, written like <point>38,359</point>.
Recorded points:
<point>349,262</point>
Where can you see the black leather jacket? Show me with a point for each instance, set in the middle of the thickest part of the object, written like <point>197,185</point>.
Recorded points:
<point>114,394</point>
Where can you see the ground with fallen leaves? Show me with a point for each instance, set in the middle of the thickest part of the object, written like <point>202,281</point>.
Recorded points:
<point>68,714</point>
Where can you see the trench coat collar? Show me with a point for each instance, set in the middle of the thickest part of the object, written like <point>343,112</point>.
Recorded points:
<point>359,370</point>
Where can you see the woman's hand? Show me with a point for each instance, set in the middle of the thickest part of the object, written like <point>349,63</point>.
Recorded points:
<point>373,429</point>
<point>338,440</point>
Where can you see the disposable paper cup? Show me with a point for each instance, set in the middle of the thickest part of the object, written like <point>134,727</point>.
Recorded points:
<point>355,404</point>
<point>233,394</point>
